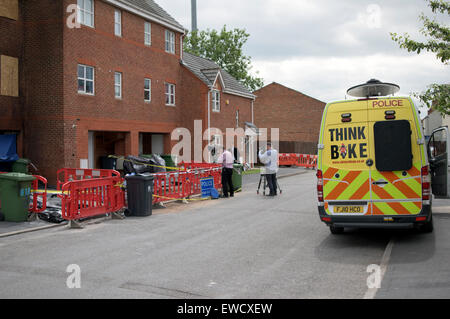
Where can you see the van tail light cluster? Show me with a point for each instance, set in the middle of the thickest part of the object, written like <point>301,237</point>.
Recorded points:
<point>389,115</point>
<point>320,187</point>
<point>426,184</point>
<point>346,117</point>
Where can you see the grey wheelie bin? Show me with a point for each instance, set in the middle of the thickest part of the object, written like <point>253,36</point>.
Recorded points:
<point>139,195</point>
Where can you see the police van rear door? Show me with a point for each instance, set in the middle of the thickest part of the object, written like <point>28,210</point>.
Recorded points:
<point>346,177</point>
<point>396,187</point>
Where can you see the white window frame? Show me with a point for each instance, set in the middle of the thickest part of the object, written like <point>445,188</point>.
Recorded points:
<point>170,90</point>
<point>149,89</point>
<point>147,33</point>
<point>85,79</point>
<point>170,42</point>
<point>215,100</point>
<point>118,23</point>
<point>118,85</point>
<point>83,11</point>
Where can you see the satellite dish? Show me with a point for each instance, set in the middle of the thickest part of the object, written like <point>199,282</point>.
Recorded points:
<point>373,88</point>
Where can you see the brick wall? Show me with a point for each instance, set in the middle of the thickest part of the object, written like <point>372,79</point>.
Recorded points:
<point>297,116</point>
<point>43,91</point>
<point>11,115</point>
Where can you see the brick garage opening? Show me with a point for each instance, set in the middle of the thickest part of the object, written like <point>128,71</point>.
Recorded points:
<point>108,143</point>
<point>153,143</point>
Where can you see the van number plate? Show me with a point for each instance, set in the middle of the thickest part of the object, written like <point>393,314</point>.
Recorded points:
<point>348,209</point>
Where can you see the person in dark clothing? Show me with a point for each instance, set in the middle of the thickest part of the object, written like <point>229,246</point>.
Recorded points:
<point>226,159</point>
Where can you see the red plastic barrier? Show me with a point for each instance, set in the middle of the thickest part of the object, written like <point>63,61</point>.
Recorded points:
<point>35,187</point>
<point>171,185</point>
<point>91,197</point>
<point>65,175</point>
<point>179,185</point>
<point>190,165</point>
<point>301,160</point>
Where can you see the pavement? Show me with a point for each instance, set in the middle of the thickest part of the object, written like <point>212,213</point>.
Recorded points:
<point>249,246</point>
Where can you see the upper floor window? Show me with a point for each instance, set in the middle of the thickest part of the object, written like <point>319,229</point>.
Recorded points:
<point>216,101</point>
<point>86,12</point>
<point>118,85</point>
<point>85,79</point>
<point>118,23</point>
<point>170,94</point>
<point>170,41</point>
<point>147,90</point>
<point>147,33</point>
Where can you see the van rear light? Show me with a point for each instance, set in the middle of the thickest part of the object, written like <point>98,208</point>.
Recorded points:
<point>346,117</point>
<point>426,183</point>
<point>421,219</point>
<point>326,219</point>
<point>390,115</point>
<point>319,186</point>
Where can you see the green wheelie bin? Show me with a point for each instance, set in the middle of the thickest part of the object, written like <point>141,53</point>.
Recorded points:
<point>15,191</point>
<point>236,178</point>
<point>21,166</point>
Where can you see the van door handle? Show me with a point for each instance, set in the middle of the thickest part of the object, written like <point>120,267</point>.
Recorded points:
<point>380,183</point>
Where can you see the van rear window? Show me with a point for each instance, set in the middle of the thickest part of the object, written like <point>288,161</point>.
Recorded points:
<point>393,145</point>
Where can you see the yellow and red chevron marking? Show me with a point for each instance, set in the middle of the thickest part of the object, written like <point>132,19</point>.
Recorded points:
<point>355,185</point>
<point>350,185</point>
<point>396,208</point>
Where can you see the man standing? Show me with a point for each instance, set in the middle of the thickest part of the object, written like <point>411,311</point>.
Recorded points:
<point>227,159</point>
<point>270,159</point>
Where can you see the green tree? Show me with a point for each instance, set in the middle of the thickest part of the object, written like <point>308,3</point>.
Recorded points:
<point>437,41</point>
<point>226,49</point>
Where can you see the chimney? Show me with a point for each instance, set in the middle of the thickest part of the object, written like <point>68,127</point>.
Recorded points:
<point>194,14</point>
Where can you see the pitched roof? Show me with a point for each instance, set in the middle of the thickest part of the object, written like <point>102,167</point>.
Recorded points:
<point>284,87</point>
<point>207,71</point>
<point>151,8</point>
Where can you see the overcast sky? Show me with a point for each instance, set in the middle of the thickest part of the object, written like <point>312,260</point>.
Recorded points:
<point>323,47</point>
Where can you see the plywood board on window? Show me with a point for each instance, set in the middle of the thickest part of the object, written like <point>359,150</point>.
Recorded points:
<point>9,79</point>
<point>9,9</point>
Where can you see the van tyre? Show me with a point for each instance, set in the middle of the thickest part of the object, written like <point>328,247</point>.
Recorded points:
<point>335,230</point>
<point>428,227</point>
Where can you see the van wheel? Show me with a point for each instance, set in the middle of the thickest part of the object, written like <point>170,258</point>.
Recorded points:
<point>428,227</point>
<point>336,230</point>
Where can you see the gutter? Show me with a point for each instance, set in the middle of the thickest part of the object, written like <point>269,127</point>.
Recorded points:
<point>145,14</point>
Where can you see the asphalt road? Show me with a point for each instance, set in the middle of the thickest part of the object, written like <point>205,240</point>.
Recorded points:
<point>248,246</point>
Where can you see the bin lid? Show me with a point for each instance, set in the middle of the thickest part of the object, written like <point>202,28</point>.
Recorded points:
<point>19,177</point>
<point>23,161</point>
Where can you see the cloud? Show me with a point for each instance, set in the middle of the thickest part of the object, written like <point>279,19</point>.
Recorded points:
<point>328,78</point>
<point>323,47</point>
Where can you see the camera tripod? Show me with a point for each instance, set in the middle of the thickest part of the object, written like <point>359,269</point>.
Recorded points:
<point>266,184</point>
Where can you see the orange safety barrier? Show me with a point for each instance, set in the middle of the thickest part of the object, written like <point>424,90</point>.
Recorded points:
<point>197,175</point>
<point>190,166</point>
<point>36,194</point>
<point>65,175</point>
<point>91,197</point>
<point>301,160</point>
<point>171,185</point>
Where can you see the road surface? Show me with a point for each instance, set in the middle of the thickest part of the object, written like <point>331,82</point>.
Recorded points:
<point>248,246</point>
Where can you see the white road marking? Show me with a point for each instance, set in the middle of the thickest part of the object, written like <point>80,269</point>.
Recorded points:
<point>371,292</point>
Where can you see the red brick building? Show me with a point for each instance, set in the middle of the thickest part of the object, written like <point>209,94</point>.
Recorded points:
<point>109,78</point>
<point>297,116</point>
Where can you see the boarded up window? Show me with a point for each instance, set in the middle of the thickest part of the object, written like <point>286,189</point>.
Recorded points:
<point>9,9</point>
<point>9,80</point>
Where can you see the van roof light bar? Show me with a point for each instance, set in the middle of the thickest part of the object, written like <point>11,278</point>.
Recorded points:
<point>373,88</point>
